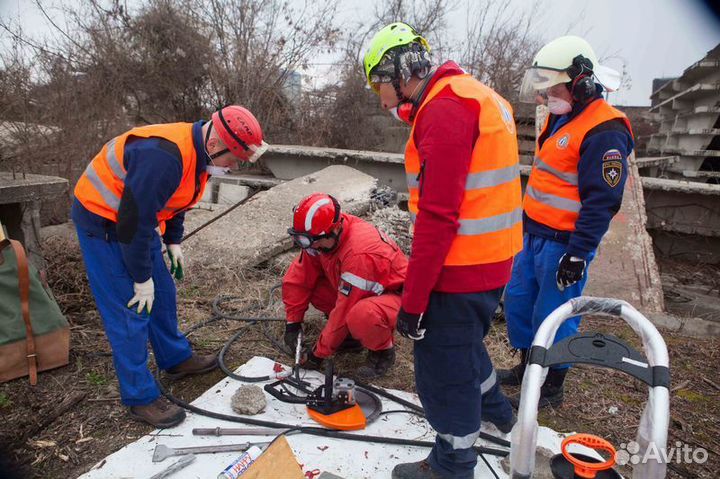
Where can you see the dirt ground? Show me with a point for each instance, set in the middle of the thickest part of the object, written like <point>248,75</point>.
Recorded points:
<point>73,417</point>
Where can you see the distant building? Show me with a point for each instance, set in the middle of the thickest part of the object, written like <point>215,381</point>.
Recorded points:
<point>292,86</point>
<point>688,111</point>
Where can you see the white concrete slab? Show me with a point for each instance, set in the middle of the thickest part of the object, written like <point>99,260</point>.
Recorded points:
<point>348,459</point>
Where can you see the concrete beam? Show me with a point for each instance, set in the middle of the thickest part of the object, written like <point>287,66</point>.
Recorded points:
<point>287,162</point>
<point>683,206</point>
<point>257,231</point>
<point>20,199</point>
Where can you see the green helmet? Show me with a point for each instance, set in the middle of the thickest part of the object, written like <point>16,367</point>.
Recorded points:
<point>393,35</point>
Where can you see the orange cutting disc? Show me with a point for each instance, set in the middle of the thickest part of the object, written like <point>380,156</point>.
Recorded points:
<point>350,419</point>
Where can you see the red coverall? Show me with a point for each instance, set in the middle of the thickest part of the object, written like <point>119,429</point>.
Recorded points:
<point>358,285</point>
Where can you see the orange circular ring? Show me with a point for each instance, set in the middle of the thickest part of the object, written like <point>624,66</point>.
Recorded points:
<point>585,469</point>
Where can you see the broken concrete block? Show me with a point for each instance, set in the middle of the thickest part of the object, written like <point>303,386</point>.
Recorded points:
<point>248,400</point>
<point>257,230</point>
<point>229,194</point>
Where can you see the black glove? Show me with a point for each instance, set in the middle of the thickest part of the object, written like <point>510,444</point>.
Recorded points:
<point>408,325</point>
<point>292,331</point>
<point>570,270</point>
<point>308,360</point>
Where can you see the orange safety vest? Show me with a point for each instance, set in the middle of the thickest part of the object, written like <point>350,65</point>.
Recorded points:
<point>490,214</point>
<point>101,186</point>
<point>552,196</point>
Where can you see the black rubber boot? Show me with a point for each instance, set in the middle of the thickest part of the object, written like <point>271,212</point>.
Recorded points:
<point>513,376</point>
<point>551,392</point>
<point>415,470</point>
<point>506,427</point>
<point>377,364</point>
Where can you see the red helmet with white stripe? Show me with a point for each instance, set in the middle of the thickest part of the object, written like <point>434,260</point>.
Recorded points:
<point>314,218</point>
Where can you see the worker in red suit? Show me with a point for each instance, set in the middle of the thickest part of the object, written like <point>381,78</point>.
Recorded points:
<point>352,272</point>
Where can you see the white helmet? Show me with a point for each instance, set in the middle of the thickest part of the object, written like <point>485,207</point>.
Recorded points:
<point>560,61</point>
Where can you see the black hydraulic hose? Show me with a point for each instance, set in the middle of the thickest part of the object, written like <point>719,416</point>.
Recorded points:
<point>218,314</point>
<point>315,431</point>
<point>382,392</point>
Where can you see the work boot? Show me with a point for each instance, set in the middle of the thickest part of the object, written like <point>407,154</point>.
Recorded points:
<point>415,470</point>
<point>197,364</point>
<point>551,392</point>
<point>514,375</point>
<point>506,427</point>
<point>350,345</point>
<point>377,364</point>
<point>160,413</point>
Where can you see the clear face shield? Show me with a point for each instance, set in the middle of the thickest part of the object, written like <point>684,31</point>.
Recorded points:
<point>536,82</point>
<point>256,151</point>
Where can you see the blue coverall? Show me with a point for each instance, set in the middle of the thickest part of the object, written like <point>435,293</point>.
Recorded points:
<point>532,293</point>
<point>119,254</point>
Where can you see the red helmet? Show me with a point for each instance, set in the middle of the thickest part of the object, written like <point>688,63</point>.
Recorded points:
<point>314,218</point>
<point>240,131</point>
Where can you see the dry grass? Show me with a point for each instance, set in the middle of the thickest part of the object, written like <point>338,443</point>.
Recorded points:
<point>98,425</point>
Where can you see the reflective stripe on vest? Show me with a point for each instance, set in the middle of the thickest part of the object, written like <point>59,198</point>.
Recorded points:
<point>101,186</point>
<point>107,195</point>
<point>552,196</point>
<point>490,215</point>
<point>362,283</point>
<point>555,201</point>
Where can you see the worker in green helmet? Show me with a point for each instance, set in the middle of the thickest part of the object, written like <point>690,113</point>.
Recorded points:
<point>461,164</point>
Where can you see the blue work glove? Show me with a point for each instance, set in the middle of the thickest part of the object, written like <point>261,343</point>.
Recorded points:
<point>571,269</point>
<point>408,325</point>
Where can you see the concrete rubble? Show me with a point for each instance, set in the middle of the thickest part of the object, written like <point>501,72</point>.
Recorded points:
<point>396,223</point>
<point>257,231</point>
<point>249,399</point>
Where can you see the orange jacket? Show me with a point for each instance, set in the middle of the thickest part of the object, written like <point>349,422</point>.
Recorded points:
<point>552,196</point>
<point>101,186</point>
<point>490,216</point>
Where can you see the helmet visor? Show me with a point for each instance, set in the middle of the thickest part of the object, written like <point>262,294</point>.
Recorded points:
<point>256,151</point>
<point>537,80</point>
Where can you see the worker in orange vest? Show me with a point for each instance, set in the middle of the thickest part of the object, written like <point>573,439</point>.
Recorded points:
<point>575,188</point>
<point>133,195</point>
<point>461,163</point>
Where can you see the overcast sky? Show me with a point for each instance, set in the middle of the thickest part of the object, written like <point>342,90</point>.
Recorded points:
<point>655,38</point>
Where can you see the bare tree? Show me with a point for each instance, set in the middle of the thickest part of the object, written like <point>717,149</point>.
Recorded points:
<point>500,44</point>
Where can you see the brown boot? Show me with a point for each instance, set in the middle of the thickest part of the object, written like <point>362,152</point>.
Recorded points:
<point>197,364</point>
<point>161,413</point>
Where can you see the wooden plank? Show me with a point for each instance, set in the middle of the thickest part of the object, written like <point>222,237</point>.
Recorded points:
<point>278,460</point>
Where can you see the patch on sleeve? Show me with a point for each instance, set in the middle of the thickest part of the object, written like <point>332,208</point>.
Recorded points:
<point>345,288</point>
<point>612,172</point>
<point>612,155</point>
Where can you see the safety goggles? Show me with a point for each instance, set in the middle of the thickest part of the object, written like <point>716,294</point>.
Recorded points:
<point>305,240</point>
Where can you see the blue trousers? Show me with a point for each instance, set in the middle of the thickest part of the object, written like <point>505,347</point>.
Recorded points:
<point>455,378</point>
<point>532,293</point>
<point>127,331</point>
